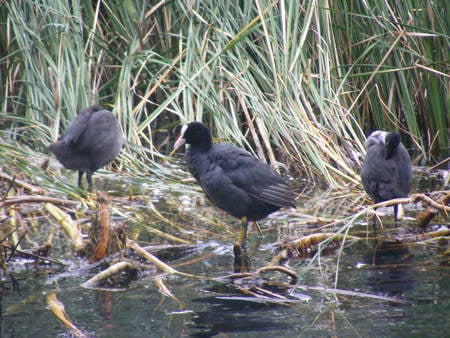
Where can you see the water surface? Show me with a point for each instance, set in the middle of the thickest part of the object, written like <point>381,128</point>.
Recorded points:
<point>409,271</point>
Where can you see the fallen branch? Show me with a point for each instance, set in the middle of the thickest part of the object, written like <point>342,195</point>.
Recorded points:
<point>114,269</point>
<point>155,260</point>
<point>20,183</point>
<point>287,271</point>
<point>304,246</point>
<point>413,199</point>
<point>437,205</point>
<point>35,199</point>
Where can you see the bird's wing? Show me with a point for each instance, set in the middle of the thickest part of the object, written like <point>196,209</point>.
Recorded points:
<point>255,177</point>
<point>280,195</point>
<point>79,124</point>
<point>77,127</point>
<point>378,175</point>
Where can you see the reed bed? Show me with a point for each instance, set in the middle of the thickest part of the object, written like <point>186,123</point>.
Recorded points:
<point>297,82</point>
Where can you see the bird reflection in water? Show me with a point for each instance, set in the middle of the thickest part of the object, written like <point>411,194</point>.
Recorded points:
<point>391,269</point>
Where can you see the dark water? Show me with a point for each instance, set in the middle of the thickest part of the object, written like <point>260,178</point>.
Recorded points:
<point>412,275</point>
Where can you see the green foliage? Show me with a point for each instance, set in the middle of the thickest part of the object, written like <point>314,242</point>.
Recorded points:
<point>300,82</point>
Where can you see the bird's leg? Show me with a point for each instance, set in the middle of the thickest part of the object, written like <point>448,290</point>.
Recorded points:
<point>374,222</point>
<point>242,237</point>
<point>80,177</point>
<point>395,214</point>
<point>241,257</point>
<point>89,180</point>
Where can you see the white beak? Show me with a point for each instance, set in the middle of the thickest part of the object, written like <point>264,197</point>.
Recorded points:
<point>179,142</point>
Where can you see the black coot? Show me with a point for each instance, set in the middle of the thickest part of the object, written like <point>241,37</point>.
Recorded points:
<point>91,141</point>
<point>233,180</point>
<point>386,171</point>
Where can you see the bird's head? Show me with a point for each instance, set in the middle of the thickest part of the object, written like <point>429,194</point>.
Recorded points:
<point>196,134</point>
<point>391,142</point>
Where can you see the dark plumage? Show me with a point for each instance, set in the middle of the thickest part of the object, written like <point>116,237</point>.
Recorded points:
<point>386,171</point>
<point>233,180</point>
<point>91,141</point>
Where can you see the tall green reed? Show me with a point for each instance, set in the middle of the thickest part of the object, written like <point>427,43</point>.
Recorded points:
<point>299,82</point>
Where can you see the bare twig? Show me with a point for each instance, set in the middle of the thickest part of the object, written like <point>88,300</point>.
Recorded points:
<point>437,165</point>
<point>31,254</point>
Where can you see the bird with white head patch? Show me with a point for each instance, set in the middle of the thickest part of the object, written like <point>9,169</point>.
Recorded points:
<point>386,172</point>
